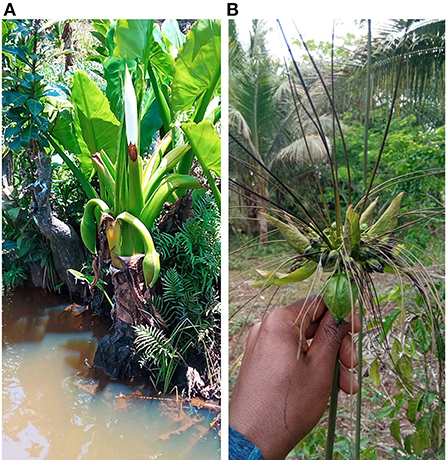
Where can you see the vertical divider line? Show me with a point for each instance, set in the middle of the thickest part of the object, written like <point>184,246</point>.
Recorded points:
<point>224,232</point>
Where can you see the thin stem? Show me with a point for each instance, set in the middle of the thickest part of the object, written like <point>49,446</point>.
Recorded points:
<point>332,415</point>
<point>213,187</point>
<point>359,395</point>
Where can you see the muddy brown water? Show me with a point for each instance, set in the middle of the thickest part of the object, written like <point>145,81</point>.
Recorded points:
<point>54,409</point>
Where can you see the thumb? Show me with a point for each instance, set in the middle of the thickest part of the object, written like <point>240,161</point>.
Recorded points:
<point>328,339</point>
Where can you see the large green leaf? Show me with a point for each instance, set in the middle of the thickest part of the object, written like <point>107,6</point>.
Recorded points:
<point>62,129</point>
<point>114,71</point>
<point>133,38</point>
<point>197,68</point>
<point>205,144</point>
<point>150,121</point>
<point>173,36</point>
<point>96,126</point>
<point>161,61</point>
<point>13,98</point>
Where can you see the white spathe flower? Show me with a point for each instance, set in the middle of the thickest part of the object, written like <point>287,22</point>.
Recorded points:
<point>131,110</point>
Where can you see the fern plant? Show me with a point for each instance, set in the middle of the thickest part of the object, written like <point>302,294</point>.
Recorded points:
<point>189,301</point>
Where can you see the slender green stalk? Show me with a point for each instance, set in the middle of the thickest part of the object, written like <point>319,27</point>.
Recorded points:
<point>207,97</point>
<point>359,395</point>
<point>214,188</point>
<point>160,99</point>
<point>88,189</point>
<point>332,415</point>
<point>364,191</point>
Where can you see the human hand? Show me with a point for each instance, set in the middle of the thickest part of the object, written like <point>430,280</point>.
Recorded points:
<point>284,383</point>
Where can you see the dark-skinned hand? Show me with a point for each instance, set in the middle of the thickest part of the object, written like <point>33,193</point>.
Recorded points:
<point>285,383</point>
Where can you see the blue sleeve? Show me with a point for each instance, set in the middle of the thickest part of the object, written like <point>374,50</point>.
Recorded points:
<point>242,449</point>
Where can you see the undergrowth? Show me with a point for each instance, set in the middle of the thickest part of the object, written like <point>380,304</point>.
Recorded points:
<point>190,300</point>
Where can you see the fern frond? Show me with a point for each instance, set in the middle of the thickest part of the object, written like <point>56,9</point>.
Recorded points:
<point>153,344</point>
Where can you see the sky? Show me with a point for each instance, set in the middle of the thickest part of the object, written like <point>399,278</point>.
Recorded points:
<point>312,27</point>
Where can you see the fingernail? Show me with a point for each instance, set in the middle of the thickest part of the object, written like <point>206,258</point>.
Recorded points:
<point>348,318</point>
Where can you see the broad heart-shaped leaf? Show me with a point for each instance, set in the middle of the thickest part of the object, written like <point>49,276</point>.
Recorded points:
<point>161,61</point>
<point>150,121</point>
<point>96,126</point>
<point>173,35</point>
<point>62,112</point>
<point>13,98</point>
<point>114,71</point>
<point>278,279</point>
<point>197,67</point>
<point>133,38</point>
<point>205,144</point>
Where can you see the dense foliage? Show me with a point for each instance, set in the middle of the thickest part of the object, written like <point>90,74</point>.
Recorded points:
<point>190,298</point>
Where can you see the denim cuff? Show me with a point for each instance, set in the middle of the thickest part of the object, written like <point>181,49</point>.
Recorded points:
<point>242,449</point>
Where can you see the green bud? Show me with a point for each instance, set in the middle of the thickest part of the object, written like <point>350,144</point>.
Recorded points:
<point>340,295</point>
<point>367,215</point>
<point>387,222</point>
<point>291,233</point>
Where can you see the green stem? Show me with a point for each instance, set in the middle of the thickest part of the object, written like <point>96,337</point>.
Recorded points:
<point>332,415</point>
<point>359,395</point>
<point>207,97</point>
<point>160,99</point>
<point>88,189</point>
<point>213,187</point>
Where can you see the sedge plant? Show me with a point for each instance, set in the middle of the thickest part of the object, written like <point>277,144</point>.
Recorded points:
<point>345,248</point>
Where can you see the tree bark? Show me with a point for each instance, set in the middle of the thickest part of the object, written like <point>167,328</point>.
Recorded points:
<point>256,222</point>
<point>66,247</point>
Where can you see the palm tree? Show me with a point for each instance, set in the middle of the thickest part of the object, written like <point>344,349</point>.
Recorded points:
<point>264,127</point>
<point>422,85</point>
<point>252,117</point>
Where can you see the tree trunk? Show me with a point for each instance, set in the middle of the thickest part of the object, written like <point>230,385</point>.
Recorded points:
<point>7,169</point>
<point>66,247</point>
<point>256,222</point>
<point>66,37</point>
<point>263,229</point>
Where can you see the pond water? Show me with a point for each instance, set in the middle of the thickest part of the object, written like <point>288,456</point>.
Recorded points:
<point>54,409</point>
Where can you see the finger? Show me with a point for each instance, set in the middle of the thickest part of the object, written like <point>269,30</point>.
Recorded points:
<point>356,323</point>
<point>347,382</point>
<point>327,340</point>
<point>305,312</point>
<point>312,328</point>
<point>347,352</point>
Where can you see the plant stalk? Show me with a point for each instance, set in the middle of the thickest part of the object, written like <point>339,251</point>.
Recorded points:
<point>332,415</point>
<point>359,395</point>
